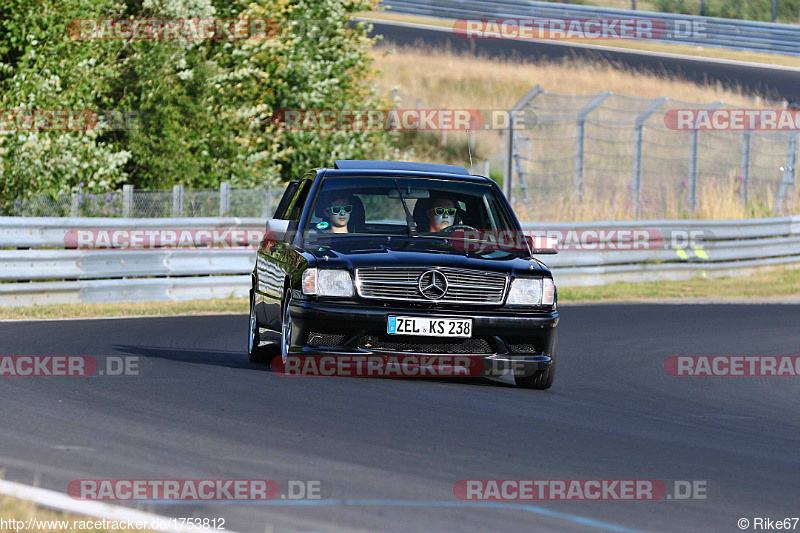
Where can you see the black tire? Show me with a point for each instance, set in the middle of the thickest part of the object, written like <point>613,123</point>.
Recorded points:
<point>542,380</point>
<point>255,352</point>
<point>286,326</point>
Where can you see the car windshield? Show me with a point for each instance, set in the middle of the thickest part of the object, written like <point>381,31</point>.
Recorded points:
<point>347,207</point>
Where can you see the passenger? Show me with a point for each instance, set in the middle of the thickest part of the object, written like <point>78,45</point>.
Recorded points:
<point>441,214</point>
<point>336,213</point>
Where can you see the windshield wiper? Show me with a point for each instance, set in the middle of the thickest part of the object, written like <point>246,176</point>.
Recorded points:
<point>412,226</point>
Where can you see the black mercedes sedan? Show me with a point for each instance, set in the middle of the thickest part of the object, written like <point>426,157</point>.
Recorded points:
<point>379,258</point>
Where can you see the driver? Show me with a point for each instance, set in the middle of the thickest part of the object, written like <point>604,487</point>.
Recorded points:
<point>336,212</point>
<point>441,214</point>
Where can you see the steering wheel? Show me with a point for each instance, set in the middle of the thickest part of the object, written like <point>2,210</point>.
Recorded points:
<point>449,230</point>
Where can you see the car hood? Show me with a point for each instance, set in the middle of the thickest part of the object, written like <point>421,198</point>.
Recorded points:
<point>356,252</point>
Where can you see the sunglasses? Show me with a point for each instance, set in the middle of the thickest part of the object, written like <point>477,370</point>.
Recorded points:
<point>442,210</point>
<point>336,209</point>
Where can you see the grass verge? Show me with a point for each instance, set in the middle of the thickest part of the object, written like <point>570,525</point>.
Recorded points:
<point>772,283</point>
<point>191,307</point>
<point>47,520</point>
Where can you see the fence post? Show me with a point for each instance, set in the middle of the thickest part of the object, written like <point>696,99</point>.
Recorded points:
<point>695,135</point>
<point>75,204</point>
<point>267,211</point>
<point>789,174</point>
<point>508,168</point>
<point>745,167</point>
<point>577,184</point>
<point>224,198</point>
<point>487,165</point>
<point>127,201</point>
<point>177,200</point>
<point>637,154</point>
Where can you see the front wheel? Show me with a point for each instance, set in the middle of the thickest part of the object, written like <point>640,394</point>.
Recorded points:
<point>541,380</point>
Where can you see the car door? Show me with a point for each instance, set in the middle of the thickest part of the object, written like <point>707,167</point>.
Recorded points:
<point>277,259</point>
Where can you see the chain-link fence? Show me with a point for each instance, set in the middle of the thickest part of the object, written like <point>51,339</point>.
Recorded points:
<point>178,202</point>
<point>611,157</point>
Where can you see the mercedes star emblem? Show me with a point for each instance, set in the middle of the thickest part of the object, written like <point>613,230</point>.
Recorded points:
<point>432,284</point>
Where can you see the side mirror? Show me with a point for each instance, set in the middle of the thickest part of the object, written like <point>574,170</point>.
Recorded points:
<point>541,245</point>
<point>277,229</point>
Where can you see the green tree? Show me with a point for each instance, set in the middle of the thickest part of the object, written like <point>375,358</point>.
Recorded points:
<point>318,61</point>
<point>42,68</point>
<point>202,108</point>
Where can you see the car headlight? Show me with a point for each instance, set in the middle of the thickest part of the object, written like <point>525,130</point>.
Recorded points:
<point>532,291</point>
<point>327,282</point>
<point>525,291</point>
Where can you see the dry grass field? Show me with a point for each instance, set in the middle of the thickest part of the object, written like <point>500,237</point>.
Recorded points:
<point>443,79</point>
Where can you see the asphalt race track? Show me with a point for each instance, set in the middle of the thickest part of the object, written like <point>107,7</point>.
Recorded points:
<point>388,451</point>
<point>781,82</point>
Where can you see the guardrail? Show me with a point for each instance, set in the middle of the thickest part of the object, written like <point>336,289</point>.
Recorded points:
<point>36,267</point>
<point>681,29</point>
<point>691,248</point>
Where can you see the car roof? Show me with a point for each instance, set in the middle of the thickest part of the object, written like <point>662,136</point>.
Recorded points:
<point>351,164</point>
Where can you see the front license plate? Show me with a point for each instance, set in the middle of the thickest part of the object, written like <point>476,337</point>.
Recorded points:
<point>429,327</point>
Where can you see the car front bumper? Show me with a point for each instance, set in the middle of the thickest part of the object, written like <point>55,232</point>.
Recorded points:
<point>503,339</point>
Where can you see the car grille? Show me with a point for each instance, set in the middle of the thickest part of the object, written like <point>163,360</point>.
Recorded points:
<point>424,346</point>
<point>523,348</point>
<point>316,338</point>
<point>463,286</point>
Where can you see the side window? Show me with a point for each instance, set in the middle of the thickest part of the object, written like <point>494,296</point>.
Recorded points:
<point>295,207</point>
<point>291,188</point>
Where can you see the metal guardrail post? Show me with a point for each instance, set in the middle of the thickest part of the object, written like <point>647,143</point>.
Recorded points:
<point>789,181</point>
<point>695,135</point>
<point>579,138</point>
<point>745,167</point>
<point>637,154</point>
<point>224,199</point>
<point>127,201</point>
<point>508,169</point>
<point>177,200</point>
